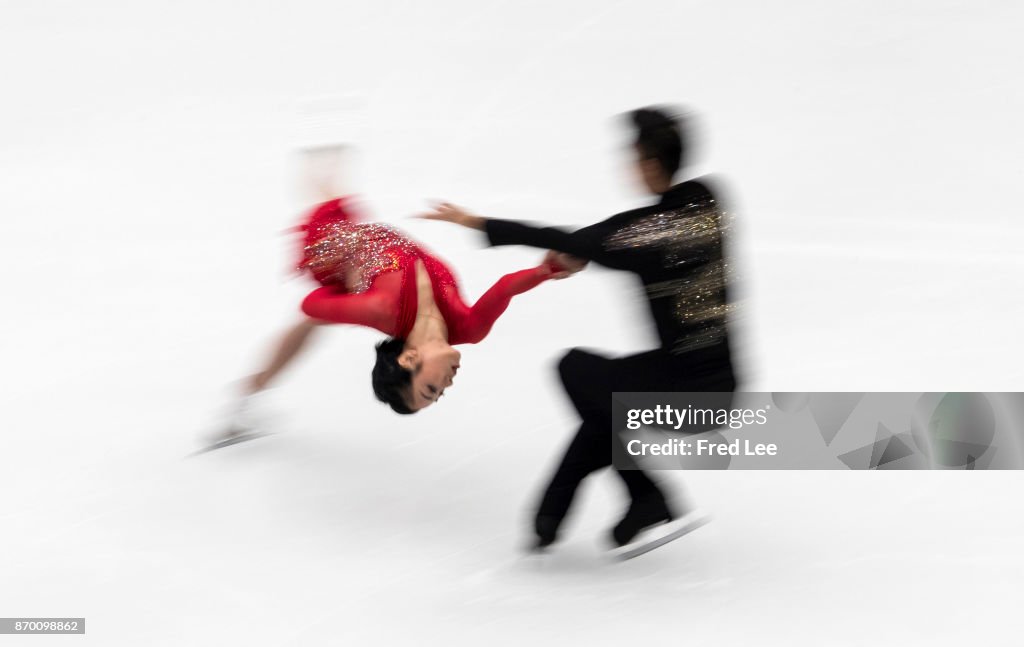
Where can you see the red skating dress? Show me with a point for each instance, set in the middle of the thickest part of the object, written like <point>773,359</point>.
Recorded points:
<point>368,274</point>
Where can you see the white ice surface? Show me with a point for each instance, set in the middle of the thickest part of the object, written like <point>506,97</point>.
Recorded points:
<point>872,152</point>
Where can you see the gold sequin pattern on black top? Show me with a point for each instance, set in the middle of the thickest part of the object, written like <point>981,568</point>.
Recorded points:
<point>688,239</point>
<point>681,234</point>
<point>356,254</point>
<point>698,297</point>
<point>698,302</point>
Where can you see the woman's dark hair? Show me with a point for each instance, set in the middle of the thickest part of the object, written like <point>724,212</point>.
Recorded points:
<point>390,381</point>
<point>659,137</point>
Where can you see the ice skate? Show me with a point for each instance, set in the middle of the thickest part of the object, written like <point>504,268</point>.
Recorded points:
<point>230,436</point>
<point>242,425</point>
<point>649,524</point>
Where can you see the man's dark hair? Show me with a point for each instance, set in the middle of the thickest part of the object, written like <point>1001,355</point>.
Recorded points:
<point>659,137</point>
<point>390,381</point>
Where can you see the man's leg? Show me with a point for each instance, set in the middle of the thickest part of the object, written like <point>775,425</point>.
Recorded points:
<point>585,454</point>
<point>657,372</point>
<point>587,379</point>
<point>583,374</point>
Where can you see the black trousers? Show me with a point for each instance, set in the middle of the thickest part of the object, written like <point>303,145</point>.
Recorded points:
<point>589,381</point>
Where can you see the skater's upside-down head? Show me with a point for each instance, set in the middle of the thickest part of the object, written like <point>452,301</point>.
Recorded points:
<point>409,378</point>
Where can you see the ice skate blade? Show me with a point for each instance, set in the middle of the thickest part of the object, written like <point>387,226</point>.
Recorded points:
<point>660,535</point>
<point>534,559</point>
<point>230,440</point>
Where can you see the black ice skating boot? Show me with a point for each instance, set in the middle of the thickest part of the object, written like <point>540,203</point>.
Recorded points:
<point>644,512</point>
<point>650,523</point>
<point>546,529</point>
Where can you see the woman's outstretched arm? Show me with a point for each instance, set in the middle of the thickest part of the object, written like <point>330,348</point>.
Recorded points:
<point>492,304</point>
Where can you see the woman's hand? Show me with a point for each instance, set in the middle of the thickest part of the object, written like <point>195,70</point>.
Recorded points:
<point>447,212</point>
<point>563,265</point>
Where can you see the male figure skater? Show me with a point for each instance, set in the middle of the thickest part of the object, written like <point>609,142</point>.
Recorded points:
<point>675,247</point>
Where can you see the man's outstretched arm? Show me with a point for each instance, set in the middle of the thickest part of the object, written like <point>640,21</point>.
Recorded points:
<point>586,243</point>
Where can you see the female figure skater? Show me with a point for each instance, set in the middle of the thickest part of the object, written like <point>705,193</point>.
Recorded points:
<point>373,275</point>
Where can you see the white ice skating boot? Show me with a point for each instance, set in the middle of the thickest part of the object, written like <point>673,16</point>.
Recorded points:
<point>245,421</point>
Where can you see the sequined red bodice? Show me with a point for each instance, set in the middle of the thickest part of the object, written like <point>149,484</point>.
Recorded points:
<point>368,273</point>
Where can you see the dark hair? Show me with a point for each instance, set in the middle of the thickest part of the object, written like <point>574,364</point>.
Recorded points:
<point>659,137</point>
<point>390,380</point>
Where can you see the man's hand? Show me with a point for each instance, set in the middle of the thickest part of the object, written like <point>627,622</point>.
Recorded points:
<point>447,212</point>
<point>563,265</point>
